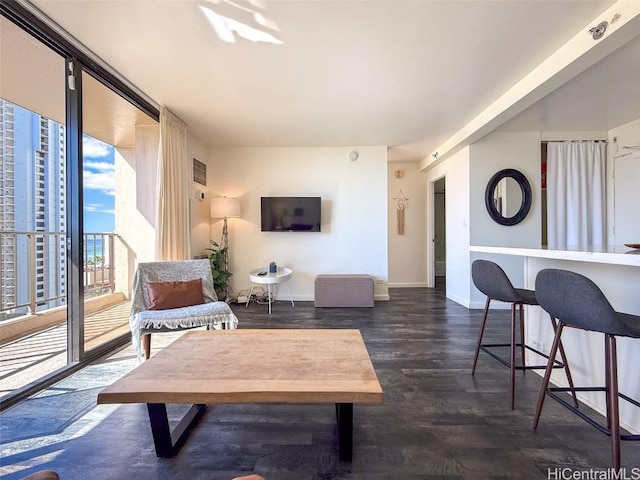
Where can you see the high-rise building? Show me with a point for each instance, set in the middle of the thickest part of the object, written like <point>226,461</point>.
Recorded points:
<point>32,209</point>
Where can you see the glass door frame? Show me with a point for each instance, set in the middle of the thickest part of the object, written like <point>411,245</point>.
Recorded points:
<point>75,227</point>
<point>77,60</point>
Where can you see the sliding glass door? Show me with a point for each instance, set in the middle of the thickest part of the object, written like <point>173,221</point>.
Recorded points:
<point>115,146</point>
<point>33,210</point>
<point>76,206</point>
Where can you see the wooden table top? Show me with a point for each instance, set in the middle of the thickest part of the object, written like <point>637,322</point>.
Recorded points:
<point>254,366</point>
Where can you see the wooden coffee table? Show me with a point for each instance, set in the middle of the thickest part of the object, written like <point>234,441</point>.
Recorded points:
<point>251,366</point>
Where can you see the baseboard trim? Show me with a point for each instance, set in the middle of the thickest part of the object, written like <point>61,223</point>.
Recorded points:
<point>462,301</point>
<point>310,298</point>
<point>409,285</point>
<point>495,305</point>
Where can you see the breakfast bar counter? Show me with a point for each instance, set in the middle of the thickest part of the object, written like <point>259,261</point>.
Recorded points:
<point>616,270</point>
<point>613,254</point>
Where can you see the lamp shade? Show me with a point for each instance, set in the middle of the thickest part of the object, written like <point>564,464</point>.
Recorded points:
<point>225,207</point>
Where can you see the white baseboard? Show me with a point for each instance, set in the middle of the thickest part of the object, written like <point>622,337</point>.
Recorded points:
<point>283,297</point>
<point>310,298</point>
<point>462,301</point>
<point>495,305</point>
<point>409,285</point>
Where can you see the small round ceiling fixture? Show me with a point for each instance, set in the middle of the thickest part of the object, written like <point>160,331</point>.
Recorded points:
<point>597,32</point>
<point>353,155</point>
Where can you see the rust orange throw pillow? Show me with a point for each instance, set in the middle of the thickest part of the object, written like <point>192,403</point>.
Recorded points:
<point>165,295</point>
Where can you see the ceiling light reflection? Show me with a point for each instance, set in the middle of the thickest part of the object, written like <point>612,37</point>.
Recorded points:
<point>265,22</point>
<point>227,28</point>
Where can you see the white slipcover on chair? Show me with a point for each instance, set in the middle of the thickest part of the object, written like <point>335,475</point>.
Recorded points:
<point>212,314</point>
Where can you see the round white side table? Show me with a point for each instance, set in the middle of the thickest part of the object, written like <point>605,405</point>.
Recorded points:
<point>262,276</point>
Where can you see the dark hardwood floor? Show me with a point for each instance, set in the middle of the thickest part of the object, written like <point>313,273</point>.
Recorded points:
<point>437,421</point>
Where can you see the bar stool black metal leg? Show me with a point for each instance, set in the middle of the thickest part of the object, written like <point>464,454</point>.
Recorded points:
<point>484,322</point>
<point>567,371</point>
<point>522,344</point>
<point>613,418</point>
<point>607,385</point>
<point>512,361</point>
<point>547,374</point>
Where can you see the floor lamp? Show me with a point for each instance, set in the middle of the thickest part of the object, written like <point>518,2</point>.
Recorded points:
<point>225,207</point>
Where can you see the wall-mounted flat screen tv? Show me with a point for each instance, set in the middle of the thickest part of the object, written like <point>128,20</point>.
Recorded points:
<point>290,214</point>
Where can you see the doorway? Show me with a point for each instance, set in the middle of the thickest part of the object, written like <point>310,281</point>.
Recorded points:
<point>439,238</point>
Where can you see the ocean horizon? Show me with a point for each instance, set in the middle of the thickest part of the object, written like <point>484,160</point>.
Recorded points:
<point>93,247</point>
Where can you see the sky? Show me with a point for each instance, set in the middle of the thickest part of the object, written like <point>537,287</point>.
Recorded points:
<point>99,186</point>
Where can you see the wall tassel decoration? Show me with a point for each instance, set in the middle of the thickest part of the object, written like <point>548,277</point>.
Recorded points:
<point>400,202</point>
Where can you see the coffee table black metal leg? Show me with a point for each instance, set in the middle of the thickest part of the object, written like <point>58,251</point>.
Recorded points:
<point>344,418</point>
<point>166,441</point>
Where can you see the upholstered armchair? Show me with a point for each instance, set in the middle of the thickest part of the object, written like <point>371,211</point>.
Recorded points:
<point>174,295</point>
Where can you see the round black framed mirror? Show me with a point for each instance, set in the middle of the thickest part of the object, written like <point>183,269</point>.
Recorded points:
<point>508,197</point>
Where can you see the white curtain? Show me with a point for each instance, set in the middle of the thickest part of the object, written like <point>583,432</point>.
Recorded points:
<point>173,236</point>
<point>576,194</point>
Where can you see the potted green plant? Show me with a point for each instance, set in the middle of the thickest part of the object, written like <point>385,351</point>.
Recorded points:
<point>219,263</point>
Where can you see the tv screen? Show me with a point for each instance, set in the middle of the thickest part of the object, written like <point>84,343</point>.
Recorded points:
<point>290,214</point>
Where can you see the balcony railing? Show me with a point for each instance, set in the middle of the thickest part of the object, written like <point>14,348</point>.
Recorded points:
<point>34,270</point>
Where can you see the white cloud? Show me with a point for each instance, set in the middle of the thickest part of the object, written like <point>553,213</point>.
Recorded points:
<point>103,181</point>
<point>94,148</point>
<point>100,166</point>
<point>99,176</point>
<point>97,207</point>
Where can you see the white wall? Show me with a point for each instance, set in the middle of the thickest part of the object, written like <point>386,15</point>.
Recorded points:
<point>408,252</point>
<point>354,212</point>
<point>468,223</point>
<point>135,204</point>
<point>491,154</point>
<point>623,177</point>
<point>198,209</point>
<point>456,171</point>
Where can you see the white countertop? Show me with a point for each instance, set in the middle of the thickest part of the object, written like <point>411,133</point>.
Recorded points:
<point>612,254</point>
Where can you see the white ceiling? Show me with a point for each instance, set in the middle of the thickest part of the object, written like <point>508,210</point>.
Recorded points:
<point>604,96</point>
<point>407,74</point>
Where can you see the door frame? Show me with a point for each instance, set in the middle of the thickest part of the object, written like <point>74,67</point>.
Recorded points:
<point>431,250</point>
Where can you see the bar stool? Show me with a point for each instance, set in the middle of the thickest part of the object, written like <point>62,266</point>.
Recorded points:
<point>575,301</point>
<point>491,280</point>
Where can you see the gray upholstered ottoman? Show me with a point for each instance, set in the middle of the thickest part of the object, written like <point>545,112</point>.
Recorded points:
<point>343,290</point>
